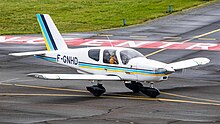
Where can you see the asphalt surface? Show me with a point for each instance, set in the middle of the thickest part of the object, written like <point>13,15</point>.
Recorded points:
<point>190,96</point>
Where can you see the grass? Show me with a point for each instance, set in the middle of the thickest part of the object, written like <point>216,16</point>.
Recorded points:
<point>19,16</point>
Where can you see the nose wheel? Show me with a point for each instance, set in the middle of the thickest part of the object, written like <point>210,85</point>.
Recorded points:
<point>138,87</point>
<point>134,86</point>
<point>96,90</point>
<point>152,92</point>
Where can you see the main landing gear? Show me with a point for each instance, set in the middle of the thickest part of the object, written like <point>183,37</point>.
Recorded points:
<point>96,90</point>
<point>138,87</point>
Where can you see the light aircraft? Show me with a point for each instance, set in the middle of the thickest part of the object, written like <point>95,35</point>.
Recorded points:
<point>98,64</point>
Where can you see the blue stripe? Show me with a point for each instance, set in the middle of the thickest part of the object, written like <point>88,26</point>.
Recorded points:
<point>112,65</point>
<point>104,66</point>
<point>119,68</point>
<point>46,58</point>
<point>45,32</point>
<point>48,32</point>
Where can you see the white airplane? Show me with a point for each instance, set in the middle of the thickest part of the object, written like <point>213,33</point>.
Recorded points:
<point>104,63</point>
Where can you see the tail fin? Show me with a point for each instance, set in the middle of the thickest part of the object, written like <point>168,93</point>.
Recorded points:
<point>52,36</point>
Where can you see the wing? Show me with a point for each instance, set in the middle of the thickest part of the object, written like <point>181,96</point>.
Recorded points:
<point>75,77</point>
<point>29,53</point>
<point>189,63</point>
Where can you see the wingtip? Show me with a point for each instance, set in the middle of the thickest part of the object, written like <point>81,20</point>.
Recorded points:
<point>10,54</point>
<point>202,60</point>
<point>14,54</point>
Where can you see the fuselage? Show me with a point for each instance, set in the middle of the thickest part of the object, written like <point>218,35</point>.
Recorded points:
<point>126,63</point>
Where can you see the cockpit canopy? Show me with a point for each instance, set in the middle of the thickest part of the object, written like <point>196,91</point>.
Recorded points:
<point>126,55</point>
<point>113,55</point>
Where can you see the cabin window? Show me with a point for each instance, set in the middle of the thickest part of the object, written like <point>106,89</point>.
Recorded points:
<point>126,55</point>
<point>94,54</point>
<point>109,56</point>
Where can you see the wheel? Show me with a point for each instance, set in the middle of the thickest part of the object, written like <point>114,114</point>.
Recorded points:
<point>134,86</point>
<point>96,90</point>
<point>151,92</point>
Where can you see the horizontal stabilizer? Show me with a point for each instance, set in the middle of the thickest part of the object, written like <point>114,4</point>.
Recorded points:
<point>28,53</point>
<point>189,63</point>
<point>74,77</point>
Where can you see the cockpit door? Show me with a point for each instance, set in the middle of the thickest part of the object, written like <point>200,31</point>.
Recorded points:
<point>130,68</point>
<point>131,72</point>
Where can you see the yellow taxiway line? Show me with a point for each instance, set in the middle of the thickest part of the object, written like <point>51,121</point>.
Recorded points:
<point>50,88</point>
<point>208,33</point>
<point>115,96</point>
<point>155,52</point>
<point>207,39</point>
<point>177,95</point>
<point>193,38</point>
<point>189,97</point>
<point>162,99</point>
<point>52,95</point>
<point>43,87</point>
<point>132,36</point>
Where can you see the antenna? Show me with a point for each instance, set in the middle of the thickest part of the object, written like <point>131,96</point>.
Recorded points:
<point>109,40</point>
<point>103,35</point>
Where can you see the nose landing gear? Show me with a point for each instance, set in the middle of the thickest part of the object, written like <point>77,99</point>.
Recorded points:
<point>152,92</point>
<point>134,86</point>
<point>138,87</point>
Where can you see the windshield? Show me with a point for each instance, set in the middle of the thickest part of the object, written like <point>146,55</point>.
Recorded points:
<point>126,55</point>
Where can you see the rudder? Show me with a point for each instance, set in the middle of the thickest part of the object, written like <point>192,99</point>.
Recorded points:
<point>52,36</point>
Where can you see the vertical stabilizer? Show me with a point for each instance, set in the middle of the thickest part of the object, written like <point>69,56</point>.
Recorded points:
<point>52,36</point>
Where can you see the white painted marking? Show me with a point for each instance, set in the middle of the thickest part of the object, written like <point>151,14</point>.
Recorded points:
<point>96,42</point>
<point>167,44</point>
<point>132,44</point>
<point>202,46</point>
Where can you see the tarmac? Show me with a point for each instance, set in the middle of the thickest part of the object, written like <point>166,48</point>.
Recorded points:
<point>189,96</point>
